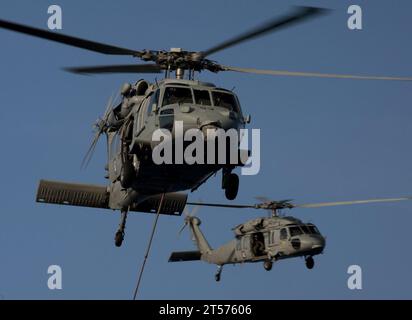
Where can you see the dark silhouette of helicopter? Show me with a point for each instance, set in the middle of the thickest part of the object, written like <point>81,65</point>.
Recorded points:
<point>135,182</point>
<point>265,239</point>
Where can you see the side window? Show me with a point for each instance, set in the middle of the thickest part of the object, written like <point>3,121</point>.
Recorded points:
<point>238,244</point>
<point>283,234</point>
<point>202,97</point>
<point>154,100</point>
<point>115,146</point>
<point>143,113</point>
<point>245,243</point>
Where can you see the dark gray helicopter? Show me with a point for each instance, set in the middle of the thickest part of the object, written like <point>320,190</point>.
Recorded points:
<point>267,239</point>
<point>135,182</point>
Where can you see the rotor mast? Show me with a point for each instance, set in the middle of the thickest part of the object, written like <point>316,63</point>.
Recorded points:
<point>180,61</point>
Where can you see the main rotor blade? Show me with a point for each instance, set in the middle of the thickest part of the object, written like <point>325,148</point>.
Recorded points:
<point>136,68</point>
<point>220,205</point>
<point>300,14</point>
<point>68,40</point>
<point>344,203</point>
<point>313,74</point>
<point>308,205</point>
<point>262,199</point>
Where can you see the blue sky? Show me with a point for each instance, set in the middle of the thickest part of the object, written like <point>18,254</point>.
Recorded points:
<point>322,140</point>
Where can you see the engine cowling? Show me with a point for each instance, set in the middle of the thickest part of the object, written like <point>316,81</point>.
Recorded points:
<point>250,226</point>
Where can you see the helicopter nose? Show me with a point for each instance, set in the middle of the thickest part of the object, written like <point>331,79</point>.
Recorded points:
<point>318,243</point>
<point>196,117</point>
<point>209,127</point>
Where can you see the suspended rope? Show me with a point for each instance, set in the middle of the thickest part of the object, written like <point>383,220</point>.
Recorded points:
<point>148,247</point>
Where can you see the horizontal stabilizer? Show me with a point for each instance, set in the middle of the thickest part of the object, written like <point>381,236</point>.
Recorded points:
<point>72,194</point>
<point>92,196</point>
<point>173,204</point>
<point>185,256</point>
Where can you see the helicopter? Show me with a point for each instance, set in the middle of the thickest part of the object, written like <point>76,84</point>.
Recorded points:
<point>135,182</point>
<point>268,239</point>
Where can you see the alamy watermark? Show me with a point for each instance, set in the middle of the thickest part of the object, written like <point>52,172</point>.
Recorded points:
<point>55,21</point>
<point>209,146</point>
<point>55,280</point>
<point>355,280</point>
<point>355,18</point>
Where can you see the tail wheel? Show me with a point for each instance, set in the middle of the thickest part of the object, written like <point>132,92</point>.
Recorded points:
<point>268,265</point>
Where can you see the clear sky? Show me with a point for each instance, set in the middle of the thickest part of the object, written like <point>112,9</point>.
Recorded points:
<point>322,140</point>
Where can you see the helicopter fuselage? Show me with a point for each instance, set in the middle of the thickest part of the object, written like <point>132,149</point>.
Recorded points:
<point>173,106</point>
<point>262,239</point>
<point>274,238</point>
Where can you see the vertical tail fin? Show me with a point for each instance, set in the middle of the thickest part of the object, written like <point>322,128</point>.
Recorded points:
<point>198,236</point>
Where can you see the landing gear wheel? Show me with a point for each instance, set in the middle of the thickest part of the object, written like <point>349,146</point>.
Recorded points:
<point>231,186</point>
<point>217,277</point>
<point>310,263</point>
<point>118,239</point>
<point>268,265</point>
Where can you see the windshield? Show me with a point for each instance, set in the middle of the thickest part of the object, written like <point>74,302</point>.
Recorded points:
<point>309,229</point>
<point>313,229</point>
<point>179,95</point>
<point>225,100</point>
<point>202,97</point>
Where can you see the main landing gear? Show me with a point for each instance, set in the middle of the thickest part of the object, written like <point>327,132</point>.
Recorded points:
<point>119,237</point>
<point>230,183</point>
<point>218,273</point>
<point>310,263</point>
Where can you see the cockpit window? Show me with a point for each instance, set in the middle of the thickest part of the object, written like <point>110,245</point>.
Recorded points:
<point>306,229</point>
<point>225,100</point>
<point>179,95</point>
<point>295,231</point>
<point>313,229</point>
<point>202,97</point>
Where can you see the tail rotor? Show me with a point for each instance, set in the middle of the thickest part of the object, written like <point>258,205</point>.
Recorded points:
<point>100,127</point>
<point>189,215</point>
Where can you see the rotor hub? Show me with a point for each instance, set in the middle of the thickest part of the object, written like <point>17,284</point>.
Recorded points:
<point>178,58</point>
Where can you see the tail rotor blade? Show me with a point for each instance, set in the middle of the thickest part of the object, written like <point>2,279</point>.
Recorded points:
<point>181,229</point>
<point>108,107</point>
<point>195,210</point>
<point>100,129</point>
<point>186,212</point>
<point>89,154</point>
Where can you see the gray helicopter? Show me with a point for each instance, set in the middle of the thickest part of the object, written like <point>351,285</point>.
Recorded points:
<point>267,239</point>
<point>135,183</point>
